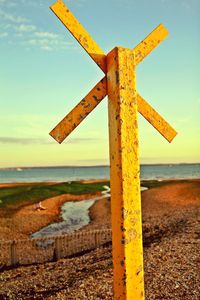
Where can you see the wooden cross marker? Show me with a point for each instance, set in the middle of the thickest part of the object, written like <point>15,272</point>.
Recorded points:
<point>124,101</point>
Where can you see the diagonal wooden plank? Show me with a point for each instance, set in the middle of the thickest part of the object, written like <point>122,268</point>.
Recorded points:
<point>93,98</point>
<point>91,47</point>
<point>97,54</point>
<point>80,111</point>
<point>158,122</point>
<point>80,34</point>
<point>150,43</point>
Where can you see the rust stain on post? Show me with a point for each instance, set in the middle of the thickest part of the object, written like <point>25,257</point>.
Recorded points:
<point>150,42</point>
<point>64,128</point>
<point>124,103</point>
<point>92,99</point>
<point>125,176</point>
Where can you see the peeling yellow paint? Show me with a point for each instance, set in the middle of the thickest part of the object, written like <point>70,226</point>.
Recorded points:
<point>92,99</point>
<point>80,34</point>
<point>150,43</point>
<point>80,111</point>
<point>125,175</point>
<point>123,104</point>
<point>64,128</point>
<point>156,120</point>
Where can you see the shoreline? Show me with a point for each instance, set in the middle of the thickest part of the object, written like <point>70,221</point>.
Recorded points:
<point>170,249</point>
<point>27,220</point>
<point>171,180</point>
<point>14,184</point>
<point>94,166</point>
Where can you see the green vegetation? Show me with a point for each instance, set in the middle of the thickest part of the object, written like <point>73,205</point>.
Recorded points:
<point>155,183</point>
<point>14,198</point>
<point>26,194</point>
<point>19,196</point>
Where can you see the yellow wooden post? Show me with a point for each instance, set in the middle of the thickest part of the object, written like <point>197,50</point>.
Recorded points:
<point>125,179</point>
<point>124,102</point>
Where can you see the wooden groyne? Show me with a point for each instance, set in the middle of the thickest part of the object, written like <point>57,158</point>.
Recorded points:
<point>51,248</point>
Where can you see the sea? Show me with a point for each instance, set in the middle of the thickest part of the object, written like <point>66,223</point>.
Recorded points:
<point>65,174</point>
<point>75,215</point>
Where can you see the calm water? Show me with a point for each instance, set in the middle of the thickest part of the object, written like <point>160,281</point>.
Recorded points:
<point>179,171</point>
<point>75,215</point>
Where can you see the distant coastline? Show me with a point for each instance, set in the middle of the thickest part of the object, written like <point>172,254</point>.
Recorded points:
<point>93,166</point>
<point>75,173</point>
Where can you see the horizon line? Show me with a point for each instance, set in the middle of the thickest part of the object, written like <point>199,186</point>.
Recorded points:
<point>92,166</point>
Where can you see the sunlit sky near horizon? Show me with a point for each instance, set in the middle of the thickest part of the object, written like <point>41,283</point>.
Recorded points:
<point>44,73</point>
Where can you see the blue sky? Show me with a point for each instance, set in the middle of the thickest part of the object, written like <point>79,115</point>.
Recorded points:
<point>44,72</point>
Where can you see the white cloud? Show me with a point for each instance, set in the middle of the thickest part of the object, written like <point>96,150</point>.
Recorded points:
<point>12,18</point>
<point>45,34</point>
<point>49,43</point>
<point>41,141</point>
<point>46,48</point>
<point>3,34</point>
<point>5,26</point>
<point>22,32</point>
<point>8,3</point>
<point>25,28</point>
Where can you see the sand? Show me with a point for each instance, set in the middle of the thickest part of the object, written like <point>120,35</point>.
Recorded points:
<point>157,203</point>
<point>171,252</point>
<point>29,220</point>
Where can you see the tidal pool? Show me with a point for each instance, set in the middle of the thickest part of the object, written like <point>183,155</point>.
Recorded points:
<point>75,215</point>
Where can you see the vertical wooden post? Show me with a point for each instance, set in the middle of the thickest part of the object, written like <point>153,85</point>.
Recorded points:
<point>125,179</point>
<point>57,248</point>
<point>120,85</point>
<point>13,253</point>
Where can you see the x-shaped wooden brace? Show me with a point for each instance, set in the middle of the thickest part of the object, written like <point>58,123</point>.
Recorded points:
<point>99,92</point>
<point>124,102</point>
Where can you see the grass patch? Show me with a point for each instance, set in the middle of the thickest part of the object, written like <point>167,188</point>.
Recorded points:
<point>14,198</point>
<point>156,184</point>
<point>19,196</point>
